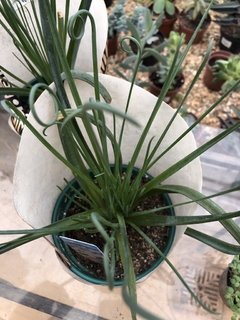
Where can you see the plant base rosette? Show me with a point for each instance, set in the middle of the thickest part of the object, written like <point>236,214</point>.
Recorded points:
<point>145,260</point>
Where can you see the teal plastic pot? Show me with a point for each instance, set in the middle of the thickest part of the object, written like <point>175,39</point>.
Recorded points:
<point>62,205</point>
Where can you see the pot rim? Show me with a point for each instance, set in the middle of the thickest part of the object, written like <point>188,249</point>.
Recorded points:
<point>71,262</point>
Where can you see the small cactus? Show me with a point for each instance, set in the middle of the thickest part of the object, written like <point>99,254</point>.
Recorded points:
<point>232,294</point>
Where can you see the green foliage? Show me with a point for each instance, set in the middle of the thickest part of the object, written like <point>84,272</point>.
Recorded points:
<point>27,35</point>
<point>164,6</point>
<point>195,9</point>
<point>143,23</point>
<point>160,6</point>
<point>112,197</point>
<point>228,71</point>
<point>144,29</point>
<point>172,46</point>
<point>232,294</point>
<point>116,20</point>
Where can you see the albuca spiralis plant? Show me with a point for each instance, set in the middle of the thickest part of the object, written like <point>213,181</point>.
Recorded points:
<point>22,33</point>
<point>232,294</point>
<point>82,133</point>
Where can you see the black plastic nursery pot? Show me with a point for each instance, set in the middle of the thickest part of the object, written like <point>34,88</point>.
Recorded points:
<point>168,23</point>
<point>155,87</point>
<point>188,27</point>
<point>63,204</point>
<point>228,40</point>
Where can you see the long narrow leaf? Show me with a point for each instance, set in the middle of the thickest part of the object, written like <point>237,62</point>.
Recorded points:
<point>213,242</point>
<point>153,245</point>
<point>190,157</point>
<point>207,204</point>
<point>156,220</point>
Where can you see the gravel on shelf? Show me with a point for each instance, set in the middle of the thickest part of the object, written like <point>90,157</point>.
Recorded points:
<point>200,98</point>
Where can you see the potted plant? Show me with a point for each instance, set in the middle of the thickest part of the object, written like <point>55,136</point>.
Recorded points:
<point>30,65</point>
<point>229,25</point>
<point>209,78</point>
<point>145,30</point>
<point>228,71</point>
<point>189,18</point>
<point>159,76</point>
<point>82,135</point>
<point>230,287</point>
<point>169,11</point>
<point>116,25</point>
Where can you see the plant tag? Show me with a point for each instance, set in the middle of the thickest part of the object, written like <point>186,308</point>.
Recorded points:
<point>85,249</point>
<point>226,42</point>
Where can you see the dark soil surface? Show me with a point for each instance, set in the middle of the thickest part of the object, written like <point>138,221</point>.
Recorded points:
<point>142,254</point>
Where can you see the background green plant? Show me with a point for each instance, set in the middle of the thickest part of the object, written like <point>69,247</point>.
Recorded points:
<point>117,20</point>
<point>163,68</point>
<point>165,6</point>
<point>232,294</point>
<point>195,9</point>
<point>160,6</point>
<point>228,71</point>
<point>144,29</point>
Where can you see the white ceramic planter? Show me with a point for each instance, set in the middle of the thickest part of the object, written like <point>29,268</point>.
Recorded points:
<point>84,58</point>
<point>38,172</point>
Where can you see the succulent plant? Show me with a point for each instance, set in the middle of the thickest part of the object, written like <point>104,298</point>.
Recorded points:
<point>117,20</point>
<point>141,19</point>
<point>165,6</point>
<point>232,294</point>
<point>171,49</point>
<point>160,6</point>
<point>196,8</point>
<point>228,71</point>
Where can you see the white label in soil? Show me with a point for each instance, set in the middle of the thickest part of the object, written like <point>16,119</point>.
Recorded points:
<point>226,42</point>
<point>85,249</point>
